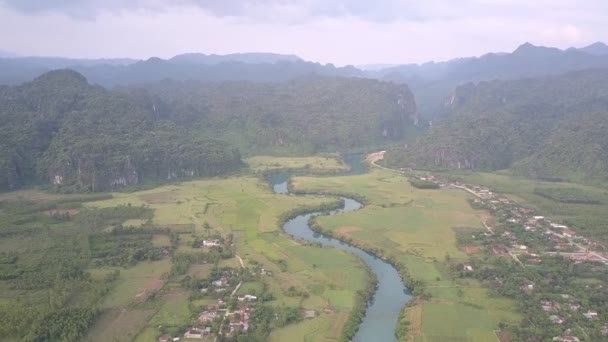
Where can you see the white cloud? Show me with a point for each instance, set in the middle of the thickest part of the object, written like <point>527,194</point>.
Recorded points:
<point>342,32</point>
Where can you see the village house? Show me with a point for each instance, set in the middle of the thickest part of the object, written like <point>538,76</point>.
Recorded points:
<point>568,233</point>
<point>222,282</point>
<point>591,314</point>
<point>566,338</point>
<point>197,333</point>
<point>556,319</point>
<point>210,243</point>
<point>528,286</point>
<point>208,316</point>
<point>247,297</point>
<point>574,307</point>
<point>549,306</point>
<point>310,314</point>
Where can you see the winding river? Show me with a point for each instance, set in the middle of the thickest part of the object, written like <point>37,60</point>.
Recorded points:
<point>383,311</point>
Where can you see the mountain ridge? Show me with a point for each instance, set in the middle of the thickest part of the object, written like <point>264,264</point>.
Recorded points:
<point>549,127</point>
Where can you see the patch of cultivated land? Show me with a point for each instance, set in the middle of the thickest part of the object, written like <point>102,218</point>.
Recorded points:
<point>417,227</point>
<point>266,163</point>
<point>136,283</point>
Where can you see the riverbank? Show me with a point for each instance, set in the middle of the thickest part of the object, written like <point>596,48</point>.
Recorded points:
<point>390,294</point>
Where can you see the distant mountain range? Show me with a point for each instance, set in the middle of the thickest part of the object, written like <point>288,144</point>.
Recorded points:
<point>256,67</point>
<point>432,82</point>
<point>7,54</point>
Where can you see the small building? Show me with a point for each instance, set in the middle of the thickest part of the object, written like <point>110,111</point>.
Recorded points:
<point>556,319</point>
<point>207,316</point>
<point>549,306</point>
<point>591,314</point>
<point>566,338</point>
<point>468,268</point>
<point>247,297</point>
<point>210,243</point>
<point>568,232</point>
<point>310,314</point>
<point>197,333</point>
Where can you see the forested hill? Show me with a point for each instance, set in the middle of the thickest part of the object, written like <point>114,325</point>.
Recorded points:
<point>58,129</point>
<point>302,116</point>
<point>552,127</point>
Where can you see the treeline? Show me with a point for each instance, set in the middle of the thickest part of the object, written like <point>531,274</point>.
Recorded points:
<point>357,313</point>
<point>571,195</point>
<point>422,184</point>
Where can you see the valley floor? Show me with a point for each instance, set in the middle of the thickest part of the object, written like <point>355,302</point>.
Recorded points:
<point>418,228</point>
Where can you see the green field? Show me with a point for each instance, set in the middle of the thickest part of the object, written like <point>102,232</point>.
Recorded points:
<point>267,163</point>
<point>589,219</point>
<point>417,227</point>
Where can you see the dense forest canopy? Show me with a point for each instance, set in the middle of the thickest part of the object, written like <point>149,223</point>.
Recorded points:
<point>303,116</point>
<point>552,127</point>
<point>59,129</point>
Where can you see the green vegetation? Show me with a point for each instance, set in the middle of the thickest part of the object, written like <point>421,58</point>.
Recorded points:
<point>59,130</point>
<point>422,184</point>
<point>300,117</point>
<point>329,162</point>
<point>571,195</point>
<point>550,128</point>
<point>48,289</point>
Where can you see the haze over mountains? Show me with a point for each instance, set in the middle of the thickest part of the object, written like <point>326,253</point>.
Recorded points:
<point>431,82</point>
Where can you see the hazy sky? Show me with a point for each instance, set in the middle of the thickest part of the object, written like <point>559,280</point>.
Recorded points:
<point>337,31</point>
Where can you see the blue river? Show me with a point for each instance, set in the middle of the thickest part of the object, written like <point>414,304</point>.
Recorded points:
<point>391,296</point>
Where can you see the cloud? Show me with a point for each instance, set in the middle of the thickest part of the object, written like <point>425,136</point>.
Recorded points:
<point>338,31</point>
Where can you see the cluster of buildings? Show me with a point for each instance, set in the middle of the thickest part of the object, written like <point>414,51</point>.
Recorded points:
<point>529,236</point>
<point>522,223</point>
